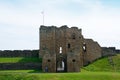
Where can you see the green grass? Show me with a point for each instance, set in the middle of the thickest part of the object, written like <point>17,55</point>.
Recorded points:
<point>20,71</point>
<point>104,65</point>
<point>116,60</point>
<point>61,76</point>
<point>19,59</point>
<point>100,65</point>
<point>99,70</point>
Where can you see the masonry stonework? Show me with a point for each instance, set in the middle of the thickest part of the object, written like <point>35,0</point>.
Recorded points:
<point>93,51</point>
<point>109,51</point>
<point>64,49</point>
<point>61,48</point>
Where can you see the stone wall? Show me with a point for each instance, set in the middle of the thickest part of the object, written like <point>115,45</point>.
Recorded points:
<point>19,53</point>
<point>92,52</point>
<point>69,40</point>
<point>20,66</point>
<point>76,50</point>
<point>47,48</point>
<point>117,51</point>
<point>109,51</point>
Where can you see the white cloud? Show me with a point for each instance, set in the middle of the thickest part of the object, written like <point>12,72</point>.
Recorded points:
<point>98,22</point>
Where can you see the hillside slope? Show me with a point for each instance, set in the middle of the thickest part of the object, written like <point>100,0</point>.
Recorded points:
<point>105,64</point>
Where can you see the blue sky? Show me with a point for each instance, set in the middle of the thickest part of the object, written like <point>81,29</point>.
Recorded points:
<point>20,20</point>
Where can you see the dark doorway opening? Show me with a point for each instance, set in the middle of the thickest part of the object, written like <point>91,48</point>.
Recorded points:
<point>61,66</point>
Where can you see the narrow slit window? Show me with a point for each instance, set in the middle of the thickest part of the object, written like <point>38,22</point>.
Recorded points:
<point>84,47</point>
<point>68,45</point>
<point>60,50</point>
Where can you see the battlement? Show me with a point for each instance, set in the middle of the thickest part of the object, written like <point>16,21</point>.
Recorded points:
<point>109,51</point>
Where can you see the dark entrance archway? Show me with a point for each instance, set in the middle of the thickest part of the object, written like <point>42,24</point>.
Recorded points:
<point>61,64</point>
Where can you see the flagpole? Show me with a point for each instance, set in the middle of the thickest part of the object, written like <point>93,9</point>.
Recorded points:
<point>43,16</point>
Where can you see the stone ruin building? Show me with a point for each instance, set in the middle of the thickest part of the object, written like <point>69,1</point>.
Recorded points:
<point>65,49</point>
<point>62,49</point>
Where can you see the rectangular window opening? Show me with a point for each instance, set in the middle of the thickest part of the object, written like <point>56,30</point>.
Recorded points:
<point>68,45</point>
<point>60,50</point>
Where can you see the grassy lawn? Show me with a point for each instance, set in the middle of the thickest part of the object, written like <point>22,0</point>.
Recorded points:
<point>20,71</point>
<point>19,59</point>
<point>99,70</point>
<point>61,76</point>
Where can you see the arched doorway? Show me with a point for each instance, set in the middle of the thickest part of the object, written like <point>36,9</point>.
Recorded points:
<point>61,65</point>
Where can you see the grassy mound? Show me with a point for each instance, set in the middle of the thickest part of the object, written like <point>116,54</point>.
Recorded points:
<point>105,65</point>
<point>19,60</point>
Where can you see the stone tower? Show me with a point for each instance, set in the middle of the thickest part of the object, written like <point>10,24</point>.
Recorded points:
<point>61,49</point>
